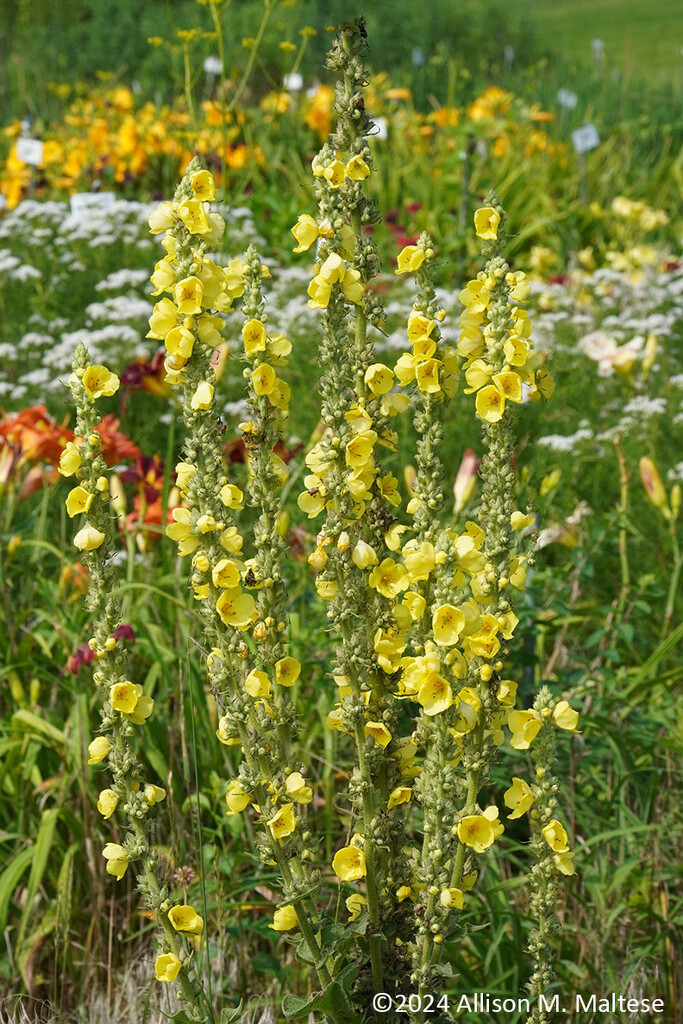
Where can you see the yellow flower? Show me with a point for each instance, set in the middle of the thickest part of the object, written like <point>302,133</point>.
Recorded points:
<point>287,671</point>
<point>225,574</point>
<point>518,797</point>
<point>475,830</point>
<point>263,379</point>
<point>257,684</point>
<point>284,919</point>
<point>333,269</point>
<point>545,385</point>
<point>427,376</point>
<point>516,350</point>
<point>100,382</point>
<point>410,259</point>
<point>524,726</point>
<point>359,449</point>
<point>188,294</point>
<point>98,749</point>
<point>452,898</point>
<point>556,836</point>
<point>349,864</point>
<point>193,214</point>
<point>379,733</point>
<point>161,219</point>
<point>106,802</point>
<point>448,623</point>
<point>486,221</point>
<point>184,472</point>
<point>520,521</point>
<point>379,378</point>
<point>143,708</point>
<point>563,862</point>
<point>388,488</point>
<point>279,347</point>
<point>319,291</point>
<point>477,374</point>
<point>203,185</point>
<point>180,342</point>
<point>297,790</point>
<point>400,795</point>
<point>280,394</point>
<point>506,694</point>
<point>394,403</point>
<point>185,918</point>
<point>357,169</point>
<point>88,539</point>
<point>565,717</point>
<point>180,530</point>
<point>117,860</point>
<point>202,399</point>
<point>364,555</point>
<point>435,695</point>
<point>510,385</point>
<point>415,604</point>
<point>231,496</point>
<point>237,797</point>
<point>70,460</point>
<point>335,173</point>
<point>123,697</point>
<point>490,404</point>
<point>389,578</point>
<point>153,794</point>
<point>354,904</point>
<point>78,500</point>
<point>209,330</point>
<point>305,231</point>
<point>283,823</point>
<point>254,337</point>
<point>236,608</point>
<point>167,967</point>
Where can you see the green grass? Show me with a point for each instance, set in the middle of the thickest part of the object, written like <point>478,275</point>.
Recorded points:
<point>642,40</point>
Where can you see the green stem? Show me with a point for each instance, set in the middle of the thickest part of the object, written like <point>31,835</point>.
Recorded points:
<point>218,26</point>
<point>673,586</point>
<point>188,81</point>
<point>270,5</point>
<point>623,536</point>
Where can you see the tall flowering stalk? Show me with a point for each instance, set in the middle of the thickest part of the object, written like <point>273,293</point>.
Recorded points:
<point>495,342</point>
<point>429,674</point>
<point>251,689</point>
<point>125,707</point>
<point>356,573</point>
<point>549,839</point>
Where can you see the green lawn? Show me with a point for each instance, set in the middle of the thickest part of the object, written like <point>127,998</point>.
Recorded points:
<point>641,38</point>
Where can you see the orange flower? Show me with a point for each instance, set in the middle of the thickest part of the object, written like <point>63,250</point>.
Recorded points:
<point>35,436</point>
<point>116,447</point>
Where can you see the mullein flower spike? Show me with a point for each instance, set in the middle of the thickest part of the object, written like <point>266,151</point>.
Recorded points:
<point>252,692</point>
<point>126,708</point>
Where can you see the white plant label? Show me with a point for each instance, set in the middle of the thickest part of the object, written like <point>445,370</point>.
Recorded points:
<point>567,99</point>
<point>30,151</point>
<point>213,66</point>
<point>585,138</point>
<point>293,82</point>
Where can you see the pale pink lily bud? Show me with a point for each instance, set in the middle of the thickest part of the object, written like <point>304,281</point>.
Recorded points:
<point>652,482</point>
<point>465,480</point>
